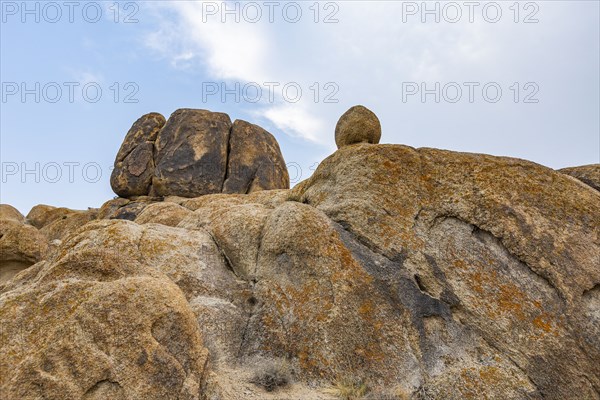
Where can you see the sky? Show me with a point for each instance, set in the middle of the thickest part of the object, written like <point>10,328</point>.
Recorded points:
<point>503,78</point>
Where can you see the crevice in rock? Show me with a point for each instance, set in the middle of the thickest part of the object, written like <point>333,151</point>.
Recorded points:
<point>591,291</point>
<point>589,381</point>
<point>251,182</point>
<point>150,190</point>
<point>259,247</point>
<point>128,153</point>
<point>416,218</point>
<point>226,259</point>
<point>140,257</point>
<point>253,306</point>
<point>227,157</point>
<point>359,238</point>
<point>229,264</point>
<point>252,284</point>
<point>104,387</point>
<point>447,295</point>
<point>420,283</point>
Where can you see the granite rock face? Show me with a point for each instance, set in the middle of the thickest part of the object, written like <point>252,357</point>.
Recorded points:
<point>408,273</point>
<point>194,153</point>
<point>497,252</point>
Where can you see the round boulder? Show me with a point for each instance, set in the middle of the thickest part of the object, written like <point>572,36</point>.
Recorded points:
<point>357,125</point>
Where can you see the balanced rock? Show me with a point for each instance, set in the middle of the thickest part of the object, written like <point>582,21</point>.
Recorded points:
<point>195,153</point>
<point>357,125</point>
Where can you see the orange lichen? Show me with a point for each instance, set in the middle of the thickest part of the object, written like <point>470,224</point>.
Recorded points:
<point>505,299</point>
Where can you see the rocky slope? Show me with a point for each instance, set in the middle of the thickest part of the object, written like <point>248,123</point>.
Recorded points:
<point>392,273</point>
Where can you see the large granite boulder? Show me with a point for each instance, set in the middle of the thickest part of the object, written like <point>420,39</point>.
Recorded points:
<point>196,152</point>
<point>56,222</point>
<point>9,212</point>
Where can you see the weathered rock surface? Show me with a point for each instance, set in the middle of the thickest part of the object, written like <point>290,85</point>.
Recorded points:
<point>357,125</point>
<point>421,273</point>
<point>588,174</point>
<point>104,322</point>
<point>196,152</point>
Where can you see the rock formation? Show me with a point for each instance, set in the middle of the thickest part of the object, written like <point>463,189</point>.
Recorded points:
<point>196,152</point>
<point>423,274</point>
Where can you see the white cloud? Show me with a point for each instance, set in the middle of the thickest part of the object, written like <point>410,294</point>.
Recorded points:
<point>370,52</point>
<point>295,120</point>
<point>229,51</point>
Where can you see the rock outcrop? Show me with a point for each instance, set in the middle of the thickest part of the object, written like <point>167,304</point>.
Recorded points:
<point>194,153</point>
<point>588,174</point>
<point>423,274</point>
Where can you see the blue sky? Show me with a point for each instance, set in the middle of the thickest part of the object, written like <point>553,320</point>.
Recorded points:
<point>543,56</point>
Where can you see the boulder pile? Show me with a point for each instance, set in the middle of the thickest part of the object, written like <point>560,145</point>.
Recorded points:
<point>194,153</point>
